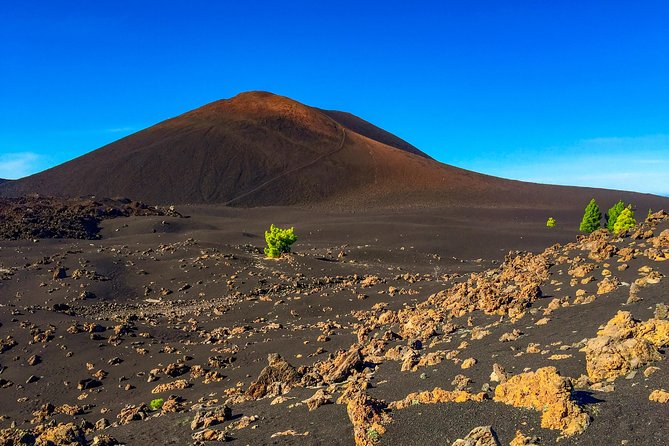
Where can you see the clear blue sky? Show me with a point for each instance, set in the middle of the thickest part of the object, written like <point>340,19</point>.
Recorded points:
<point>560,92</point>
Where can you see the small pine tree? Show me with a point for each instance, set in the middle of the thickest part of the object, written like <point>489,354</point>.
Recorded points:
<point>625,221</point>
<point>613,213</point>
<point>650,212</point>
<point>550,222</point>
<point>156,404</point>
<point>591,218</point>
<point>279,241</point>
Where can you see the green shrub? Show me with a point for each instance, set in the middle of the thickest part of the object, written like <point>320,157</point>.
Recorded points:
<point>279,241</point>
<point>156,404</point>
<point>625,221</point>
<point>551,222</point>
<point>591,218</point>
<point>613,213</point>
<point>373,434</point>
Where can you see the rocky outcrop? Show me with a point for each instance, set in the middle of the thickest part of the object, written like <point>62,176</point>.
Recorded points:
<point>61,435</point>
<point>341,366</point>
<point>548,392</point>
<point>623,345</point>
<point>648,277</point>
<point>105,440</point>
<point>367,415</point>
<point>581,270</point>
<point>607,285</point>
<point>211,416</point>
<point>318,399</point>
<point>277,378</point>
<point>12,437</point>
<point>419,323</point>
<point>598,245</point>
<point>508,289</point>
<point>211,435</point>
<point>7,344</point>
<point>173,404</point>
<point>498,374</point>
<point>179,384</point>
<point>133,413</point>
<point>479,436</point>
<point>437,395</point>
<point>522,440</point>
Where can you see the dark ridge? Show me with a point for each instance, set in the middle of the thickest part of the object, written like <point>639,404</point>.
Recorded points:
<point>35,217</point>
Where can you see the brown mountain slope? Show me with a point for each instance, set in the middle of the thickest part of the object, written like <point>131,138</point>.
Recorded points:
<point>258,148</point>
<point>371,131</point>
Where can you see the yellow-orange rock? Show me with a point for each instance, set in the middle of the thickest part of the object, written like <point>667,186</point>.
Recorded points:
<point>548,392</point>
<point>661,241</point>
<point>62,434</point>
<point>437,395</point>
<point>431,358</point>
<point>508,289</point>
<point>581,270</point>
<point>655,331</point>
<point>479,436</point>
<point>623,345</point>
<point>522,440</point>
<point>419,324</point>
<point>179,384</point>
<point>318,399</point>
<point>367,415</point>
<point>598,245</point>
<point>468,363</point>
<point>659,396</point>
<point>607,285</point>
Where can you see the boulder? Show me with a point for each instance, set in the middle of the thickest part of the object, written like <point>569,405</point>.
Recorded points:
<point>624,345</point>
<point>277,378</point>
<point>546,391</point>
<point>479,436</point>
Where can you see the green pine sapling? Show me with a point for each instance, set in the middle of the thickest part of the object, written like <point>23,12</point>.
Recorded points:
<point>279,241</point>
<point>591,218</point>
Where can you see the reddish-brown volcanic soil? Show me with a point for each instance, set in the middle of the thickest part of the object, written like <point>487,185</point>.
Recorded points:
<point>176,298</point>
<point>260,149</point>
<point>364,128</point>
